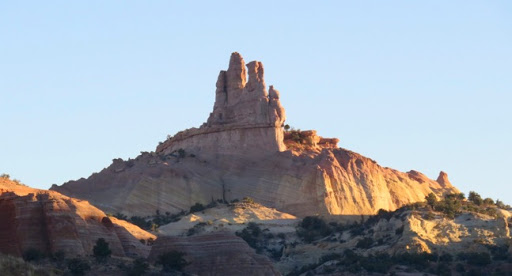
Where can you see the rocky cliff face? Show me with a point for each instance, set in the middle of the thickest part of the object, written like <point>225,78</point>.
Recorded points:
<point>242,151</point>
<point>50,222</point>
<point>245,118</point>
<point>220,253</point>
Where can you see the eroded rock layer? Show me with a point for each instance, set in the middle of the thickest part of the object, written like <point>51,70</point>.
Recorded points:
<point>220,253</point>
<point>50,222</point>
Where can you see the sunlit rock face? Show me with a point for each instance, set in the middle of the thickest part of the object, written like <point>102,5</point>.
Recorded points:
<point>242,151</point>
<point>50,222</point>
<point>245,118</point>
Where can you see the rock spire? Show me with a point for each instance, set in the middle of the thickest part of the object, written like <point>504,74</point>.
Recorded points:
<point>245,102</point>
<point>245,118</point>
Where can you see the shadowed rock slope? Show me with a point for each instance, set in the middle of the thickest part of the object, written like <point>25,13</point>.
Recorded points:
<point>220,253</point>
<point>243,151</point>
<point>50,222</point>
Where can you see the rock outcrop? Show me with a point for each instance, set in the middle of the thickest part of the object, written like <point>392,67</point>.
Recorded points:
<point>442,179</point>
<point>231,218</point>
<point>242,151</point>
<point>245,118</point>
<point>220,253</point>
<point>50,222</point>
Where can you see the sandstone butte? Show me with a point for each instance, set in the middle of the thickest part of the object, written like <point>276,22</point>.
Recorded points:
<point>242,151</point>
<point>50,222</point>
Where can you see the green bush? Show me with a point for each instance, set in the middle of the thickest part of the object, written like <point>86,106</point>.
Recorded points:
<point>475,258</point>
<point>33,255</point>
<point>78,266</point>
<point>59,256</point>
<point>365,243</point>
<point>313,228</point>
<point>446,258</point>
<point>101,250</point>
<point>172,261</point>
<point>251,234</point>
<point>138,267</point>
<point>198,207</point>
<point>475,198</point>
<point>380,263</point>
<point>488,201</point>
<point>419,261</point>
<point>248,200</point>
<point>431,200</point>
<point>141,222</point>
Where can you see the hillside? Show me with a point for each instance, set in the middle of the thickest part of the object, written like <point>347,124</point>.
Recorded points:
<point>242,150</point>
<point>48,222</point>
<point>452,236</point>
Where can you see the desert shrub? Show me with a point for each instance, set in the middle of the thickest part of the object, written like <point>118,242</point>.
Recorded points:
<point>460,268</point>
<point>419,261</point>
<point>150,241</point>
<point>380,263</point>
<point>456,196</point>
<point>172,261</point>
<point>488,201</point>
<point>443,270</point>
<point>198,207</point>
<point>59,256</point>
<point>475,258</point>
<point>354,263</point>
<point>181,153</point>
<point>248,200</point>
<point>357,229</point>
<point>429,216</point>
<point>450,206</point>
<point>499,253</point>
<point>303,269</point>
<point>78,266</point>
<point>6,176</point>
<point>399,230</point>
<point>446,258</point>
<point>431,200</point>
<point>365,243</point>
<point>312,228</point>
<point>159,219</point>
<point>138,267</point>
<point>295,135</point>
<point>141,222</point>
<point>199,227</point>
<point>33,255</point>
<point>475,198</point>
<point>251,235</point>
<point>101,250</point>
<point>500,204</point>
<point>381,214</point>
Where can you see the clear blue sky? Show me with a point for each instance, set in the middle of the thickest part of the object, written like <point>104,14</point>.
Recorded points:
<point>423,85</point>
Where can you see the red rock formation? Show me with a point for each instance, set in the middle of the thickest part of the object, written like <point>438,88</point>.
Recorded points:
<point>50,222</point>
<point>220,253</point>
<point>240,151</point>
<point>442,179</point>
<point>245,118</point>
